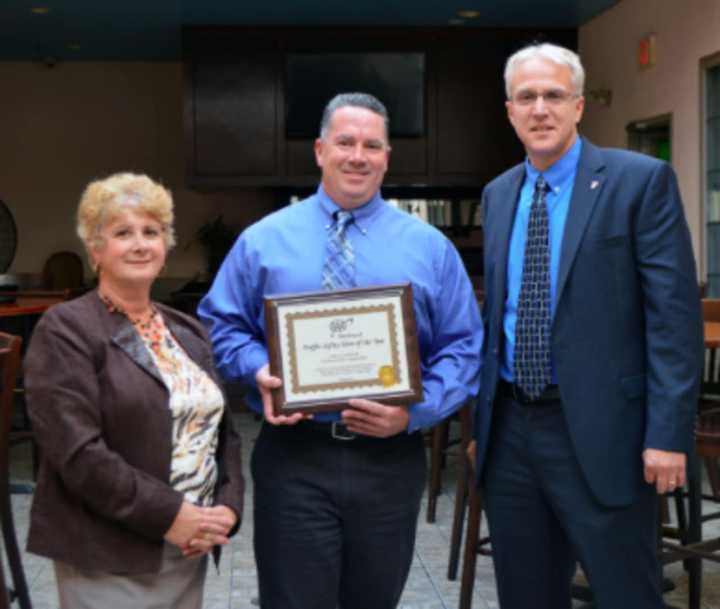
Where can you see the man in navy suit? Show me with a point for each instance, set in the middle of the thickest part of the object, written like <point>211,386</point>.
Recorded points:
<point>592,352</point>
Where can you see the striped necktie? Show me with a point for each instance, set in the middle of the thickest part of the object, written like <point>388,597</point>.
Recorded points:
<point>339,268</point>
<point>531,365</point>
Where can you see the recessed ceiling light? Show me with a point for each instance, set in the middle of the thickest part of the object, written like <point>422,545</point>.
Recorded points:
<point>468,14</point>
<point>40,10</point>
<point>456,21</point>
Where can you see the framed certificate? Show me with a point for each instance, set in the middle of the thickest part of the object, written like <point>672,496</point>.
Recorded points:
<point>329,347</point>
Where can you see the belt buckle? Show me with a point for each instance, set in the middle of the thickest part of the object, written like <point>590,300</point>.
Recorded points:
<point>339,432</point>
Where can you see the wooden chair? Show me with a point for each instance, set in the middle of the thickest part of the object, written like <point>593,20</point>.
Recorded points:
<point>710,389</point>
<point>63,270</point>
<point>690,547</point>
<point>474,544</point>
<point>439,436</point>
<point>20,318</point>
<point>4,591</point>
<point>710,385</point>
<point>440,443</point>
<point>9,368</point>
<point>464,415</point>
<point>462,489</point>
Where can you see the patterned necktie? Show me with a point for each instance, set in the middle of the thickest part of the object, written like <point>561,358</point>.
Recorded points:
<point>531,367</point>
<point>339,268</point>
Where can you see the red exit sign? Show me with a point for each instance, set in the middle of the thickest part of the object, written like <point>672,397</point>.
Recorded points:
<point>646,51</point>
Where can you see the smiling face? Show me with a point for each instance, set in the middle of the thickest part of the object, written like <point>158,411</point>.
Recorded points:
<point>131,252</point>
<point>547,125</point>
<point>353,156</point>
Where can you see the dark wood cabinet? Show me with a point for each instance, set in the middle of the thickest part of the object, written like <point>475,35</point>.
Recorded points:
<point>235,104</point>
<point>234,120</point>
<point>474,139</point>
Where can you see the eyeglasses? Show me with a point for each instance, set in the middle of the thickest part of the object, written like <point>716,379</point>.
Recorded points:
<point>552,97</point>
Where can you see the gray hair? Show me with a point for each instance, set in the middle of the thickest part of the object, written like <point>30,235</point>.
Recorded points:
<point>356,100</point>
<point>551,52</point>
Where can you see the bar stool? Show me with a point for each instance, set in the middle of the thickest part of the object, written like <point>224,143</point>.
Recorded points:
<point>691,547</point>
<point>710,387</point>
<point>9,367</point>
<point>464,482</point>
<point>474,544</point>
<point>440,443</point>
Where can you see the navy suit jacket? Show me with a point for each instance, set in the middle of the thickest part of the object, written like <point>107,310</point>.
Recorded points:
<point>627,340</point>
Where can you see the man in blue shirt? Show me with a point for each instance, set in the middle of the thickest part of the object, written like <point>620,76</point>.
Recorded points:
<point>337,496</point>
<point>592,352</point>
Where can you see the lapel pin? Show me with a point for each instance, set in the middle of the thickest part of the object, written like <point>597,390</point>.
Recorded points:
<point>594,184</point>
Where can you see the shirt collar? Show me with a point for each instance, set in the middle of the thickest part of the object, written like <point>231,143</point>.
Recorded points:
<point>362,216</point>
<point>561,171</point>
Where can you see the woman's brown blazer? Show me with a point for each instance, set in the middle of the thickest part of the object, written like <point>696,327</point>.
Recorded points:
<point>100,412</point>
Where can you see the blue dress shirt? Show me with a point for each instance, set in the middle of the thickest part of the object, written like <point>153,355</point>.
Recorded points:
<point>284,253</point>
<point>561,177</point>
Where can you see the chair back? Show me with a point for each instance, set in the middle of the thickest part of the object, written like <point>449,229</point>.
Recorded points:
<point>710,385</point>
<point>62,271</point>
<point>711,309</point>
<point>707,435</point>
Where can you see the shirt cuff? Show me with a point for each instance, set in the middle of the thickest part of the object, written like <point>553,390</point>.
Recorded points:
<point>254,359</point>
<point>416,420</point>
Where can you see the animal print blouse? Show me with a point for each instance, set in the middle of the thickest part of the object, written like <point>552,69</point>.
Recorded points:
<point>196,404</point>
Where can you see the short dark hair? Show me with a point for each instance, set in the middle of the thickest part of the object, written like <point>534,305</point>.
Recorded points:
<point>356,100</point>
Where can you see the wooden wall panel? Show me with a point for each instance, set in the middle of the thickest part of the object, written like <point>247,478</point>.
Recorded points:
<point>235,106</point>
<point>235,126</point>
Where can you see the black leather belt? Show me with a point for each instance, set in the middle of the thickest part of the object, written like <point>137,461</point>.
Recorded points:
<point>550,395</point>
<point>335,429</point>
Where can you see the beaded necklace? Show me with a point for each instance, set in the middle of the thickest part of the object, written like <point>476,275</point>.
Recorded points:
<point>149,326</point>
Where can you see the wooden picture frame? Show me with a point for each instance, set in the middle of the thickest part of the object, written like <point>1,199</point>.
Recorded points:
<point>329,347</point>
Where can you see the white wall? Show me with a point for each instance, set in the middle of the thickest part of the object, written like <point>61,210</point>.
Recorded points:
<point>686,31</point>
<point>64,126</point>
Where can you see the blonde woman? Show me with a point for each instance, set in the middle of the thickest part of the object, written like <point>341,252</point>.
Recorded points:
<point>140,476</point>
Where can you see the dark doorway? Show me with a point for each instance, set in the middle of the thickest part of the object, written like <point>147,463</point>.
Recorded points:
<point>652,137</point>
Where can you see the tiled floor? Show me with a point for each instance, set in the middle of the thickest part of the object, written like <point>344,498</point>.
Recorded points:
<point>234,587</point>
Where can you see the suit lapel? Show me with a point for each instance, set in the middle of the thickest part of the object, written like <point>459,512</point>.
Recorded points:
<point>589,182</point>
<point>127,338</point>
<point>506,206</point>
<point>191,343</point>
<point>124,335</point>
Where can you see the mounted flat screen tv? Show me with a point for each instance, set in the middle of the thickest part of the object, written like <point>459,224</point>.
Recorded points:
<point>396,79</point>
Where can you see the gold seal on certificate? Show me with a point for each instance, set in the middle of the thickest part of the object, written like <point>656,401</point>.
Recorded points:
<point>387,376</point>
<point>329,347</point>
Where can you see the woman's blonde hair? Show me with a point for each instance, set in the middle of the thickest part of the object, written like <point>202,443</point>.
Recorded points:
<point>104,200</point>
